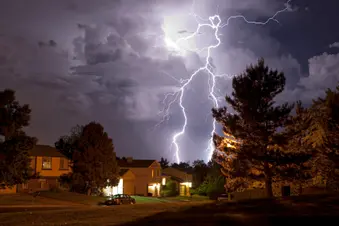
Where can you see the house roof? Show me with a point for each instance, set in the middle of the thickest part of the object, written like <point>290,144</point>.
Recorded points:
<point>135,163</point>
<point>122,172</point>
<point>45,150</point>
<point>173,177</point>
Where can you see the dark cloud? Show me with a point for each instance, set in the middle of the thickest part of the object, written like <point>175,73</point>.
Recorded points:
<point>75,61</point>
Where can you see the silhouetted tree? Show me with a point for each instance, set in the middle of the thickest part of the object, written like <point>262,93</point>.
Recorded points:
<point>200,171</point>
<point>164,163</point>
<point>255,122</point>
<point>14,147</point>
<point>184,166</point>
<point>92,154</point>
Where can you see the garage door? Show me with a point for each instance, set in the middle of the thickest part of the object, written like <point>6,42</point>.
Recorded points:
<point>129,187</point>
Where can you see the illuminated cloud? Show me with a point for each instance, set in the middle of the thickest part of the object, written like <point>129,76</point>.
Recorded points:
<point>109,64</point>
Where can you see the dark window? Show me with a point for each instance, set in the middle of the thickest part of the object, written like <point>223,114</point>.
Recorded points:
<point>63,163</point>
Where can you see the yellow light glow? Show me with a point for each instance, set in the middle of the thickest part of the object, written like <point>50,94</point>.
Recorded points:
<point>187,184</point>
<point>108,191</point>
<point>164,181</point>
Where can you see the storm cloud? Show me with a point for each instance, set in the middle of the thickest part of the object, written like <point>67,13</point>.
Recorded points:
<point>75,61</point>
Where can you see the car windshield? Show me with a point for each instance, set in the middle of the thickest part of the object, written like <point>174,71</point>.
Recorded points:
<point>115,196</point>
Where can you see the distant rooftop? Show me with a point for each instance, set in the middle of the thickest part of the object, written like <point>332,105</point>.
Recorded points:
<point>135,163</point>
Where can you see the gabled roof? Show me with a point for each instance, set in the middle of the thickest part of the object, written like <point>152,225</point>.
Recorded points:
<point>135,163</point>
<point>122,172</point>
<point>45,151</point>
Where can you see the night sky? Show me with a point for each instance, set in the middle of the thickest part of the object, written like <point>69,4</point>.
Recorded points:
<point>75,61</point>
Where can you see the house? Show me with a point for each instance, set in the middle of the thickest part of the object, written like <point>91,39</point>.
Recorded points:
<point>125,185</point>
<point>48,164</point>
<point>138,177</point>
<point>8,190</point>
<point>181,178</point>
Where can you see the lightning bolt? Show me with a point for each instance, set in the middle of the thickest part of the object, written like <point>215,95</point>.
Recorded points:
<point>215,23</point>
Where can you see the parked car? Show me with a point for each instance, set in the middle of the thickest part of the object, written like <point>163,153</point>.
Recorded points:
<point>119,200</point>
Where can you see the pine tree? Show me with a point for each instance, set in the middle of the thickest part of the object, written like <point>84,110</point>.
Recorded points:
<point>298,154</point>
<point>255,122</point>
<point>323,135</point>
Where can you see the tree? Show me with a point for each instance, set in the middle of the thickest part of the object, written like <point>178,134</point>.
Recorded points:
<point>200,171</point>
<point>14,147</point>
<point>255,122</point>
<point>164,163</point>
<point>170,189</point>
<point>184,166</point>
<point>299,169</point>
<point>92,156</point>
<point>323,135</point>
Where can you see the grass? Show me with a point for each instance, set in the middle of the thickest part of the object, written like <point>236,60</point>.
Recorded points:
<point>194,198</point>
<point>21,199</point>
<point>307,210</point>
<point>144,199</point>
<point>72,197</point>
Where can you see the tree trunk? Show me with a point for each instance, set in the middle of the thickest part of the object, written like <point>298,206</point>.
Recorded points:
<point>268,180</point>
<point>300,189</point>
<point>89,191</point>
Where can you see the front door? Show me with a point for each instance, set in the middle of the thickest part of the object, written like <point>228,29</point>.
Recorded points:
<point>182,190</point>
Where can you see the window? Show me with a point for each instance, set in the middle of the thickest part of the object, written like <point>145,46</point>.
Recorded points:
<point>25,186</point>
<point>152,173</point>
<point>63,163</point>
<point>47,163</point>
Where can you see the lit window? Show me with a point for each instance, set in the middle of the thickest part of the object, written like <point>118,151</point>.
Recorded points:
<point>63,163</point>
<point>152,173</point>
<point>46,162</point>
<point>164,181</point>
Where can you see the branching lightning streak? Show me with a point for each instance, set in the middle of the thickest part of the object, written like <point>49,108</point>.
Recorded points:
<point>215,23</point>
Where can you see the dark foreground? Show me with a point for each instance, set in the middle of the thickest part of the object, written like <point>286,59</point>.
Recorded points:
<point>306,210</point>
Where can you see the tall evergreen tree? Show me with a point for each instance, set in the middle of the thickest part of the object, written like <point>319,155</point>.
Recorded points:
<point>92,154</point>
<point>255,122</point>
<point>323,135</point>
<point>298,153</point>
<point>14,147</point>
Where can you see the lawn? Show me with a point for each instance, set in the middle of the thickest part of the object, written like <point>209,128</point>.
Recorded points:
<point>22,199</point>
<point>305,210</point>
<point>71,197</point>
<point>145,199</point>
<point>194,198</point>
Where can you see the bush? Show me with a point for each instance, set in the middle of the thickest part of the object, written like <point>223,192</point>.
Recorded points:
<point>211,187</point>
<point>170,189</point>
<point>216,188</point>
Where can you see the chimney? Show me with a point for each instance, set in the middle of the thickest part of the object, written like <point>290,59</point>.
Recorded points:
<point>129,159</point>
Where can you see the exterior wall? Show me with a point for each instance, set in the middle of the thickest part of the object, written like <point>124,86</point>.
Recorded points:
<point>42,184</point>
<point>145,177</point>
<point>8,190</point>
<point>48,178</point>
<point>129,183</point>
<point>54,172</point>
